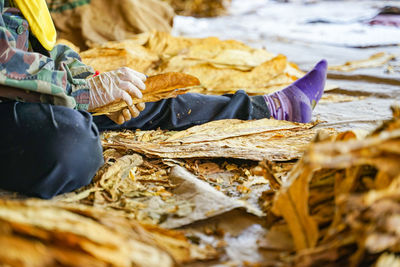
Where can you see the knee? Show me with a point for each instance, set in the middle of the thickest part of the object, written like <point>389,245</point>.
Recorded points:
<point>77,155</point>
<point>57,150</point>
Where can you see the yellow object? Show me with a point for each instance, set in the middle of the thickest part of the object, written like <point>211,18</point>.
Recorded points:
<point>38,16</point>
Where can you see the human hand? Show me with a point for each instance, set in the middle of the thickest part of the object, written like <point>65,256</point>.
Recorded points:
<point>121,84</point>
<point>126,114</point>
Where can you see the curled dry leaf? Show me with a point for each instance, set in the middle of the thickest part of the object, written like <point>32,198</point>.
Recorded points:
<point>158,87</point>
<point>374,61</point>
<point>292,203</point>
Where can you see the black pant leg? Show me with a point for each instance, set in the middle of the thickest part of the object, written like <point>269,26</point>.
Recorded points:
<point>46,150</point>
<point>191,109</point>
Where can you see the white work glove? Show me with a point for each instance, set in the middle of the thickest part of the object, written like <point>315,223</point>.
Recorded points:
<point>121,84</point>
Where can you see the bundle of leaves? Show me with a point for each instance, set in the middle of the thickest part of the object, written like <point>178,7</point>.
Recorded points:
<point>341,203</point>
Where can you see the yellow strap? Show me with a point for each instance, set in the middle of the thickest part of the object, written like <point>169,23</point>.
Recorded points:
<point>38,16</point>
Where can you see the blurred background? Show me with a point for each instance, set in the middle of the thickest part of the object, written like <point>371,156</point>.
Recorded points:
<point>293,27</point>
<point>306,31</point>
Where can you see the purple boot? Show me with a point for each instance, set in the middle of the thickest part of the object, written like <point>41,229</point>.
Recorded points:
<point>296,102</point>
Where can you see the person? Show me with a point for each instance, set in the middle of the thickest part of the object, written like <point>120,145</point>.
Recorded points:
<point>50,143</point>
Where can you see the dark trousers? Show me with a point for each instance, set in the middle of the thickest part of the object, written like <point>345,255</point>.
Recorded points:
<point>46,150</point>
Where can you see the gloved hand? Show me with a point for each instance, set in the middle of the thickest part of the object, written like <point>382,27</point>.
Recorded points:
<point>121,84</point>
<point>127,114</point>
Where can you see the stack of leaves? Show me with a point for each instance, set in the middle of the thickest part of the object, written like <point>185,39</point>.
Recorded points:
<point>65,233</point>
<point>54,233</point>
<point>221,66</point>
<point>251,140</point>
<point>43,233</point>
<point>159,187</point>
<point>341,203</point>
<point>200,8</point>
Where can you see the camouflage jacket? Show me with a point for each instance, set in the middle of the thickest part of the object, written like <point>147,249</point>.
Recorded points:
<point>59,75</point>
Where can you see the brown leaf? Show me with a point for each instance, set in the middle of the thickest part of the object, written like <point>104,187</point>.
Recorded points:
<point>292,203</point>
<point>158,87</point>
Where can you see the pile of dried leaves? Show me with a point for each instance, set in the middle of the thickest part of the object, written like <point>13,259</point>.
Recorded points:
<point>113,221</point>
<point>221,66</point>
<point>159,187</point>
<point>200,8</point>
<point>251,140</point>
<point>340,203</point>
<point>46,233</point>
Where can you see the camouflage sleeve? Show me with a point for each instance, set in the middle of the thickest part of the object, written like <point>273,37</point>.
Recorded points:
<point>69,61</point>
<point>59,77</point>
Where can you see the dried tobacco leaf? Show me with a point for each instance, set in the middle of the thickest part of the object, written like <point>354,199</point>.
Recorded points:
<point>46,234</point>
<point>292,203</point>
<point>113,55</point>
<point>221,66</point>
<point>339,98</point>
<point>123,185</point>
<point>173,242</point>
<point>376,217</point>
<point>376,60</point>
<point>266,170</point>
<point>223,129</point>
<point>206,201</point>
<point>253,140</point>
<point>178,245</point>
<point>222,80</point>
<point>35,253</point>
<point>234,56</point>
<point>158,87</point>
<point>145,192</point>
<point>353,205</point>
<point>239,180</point>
